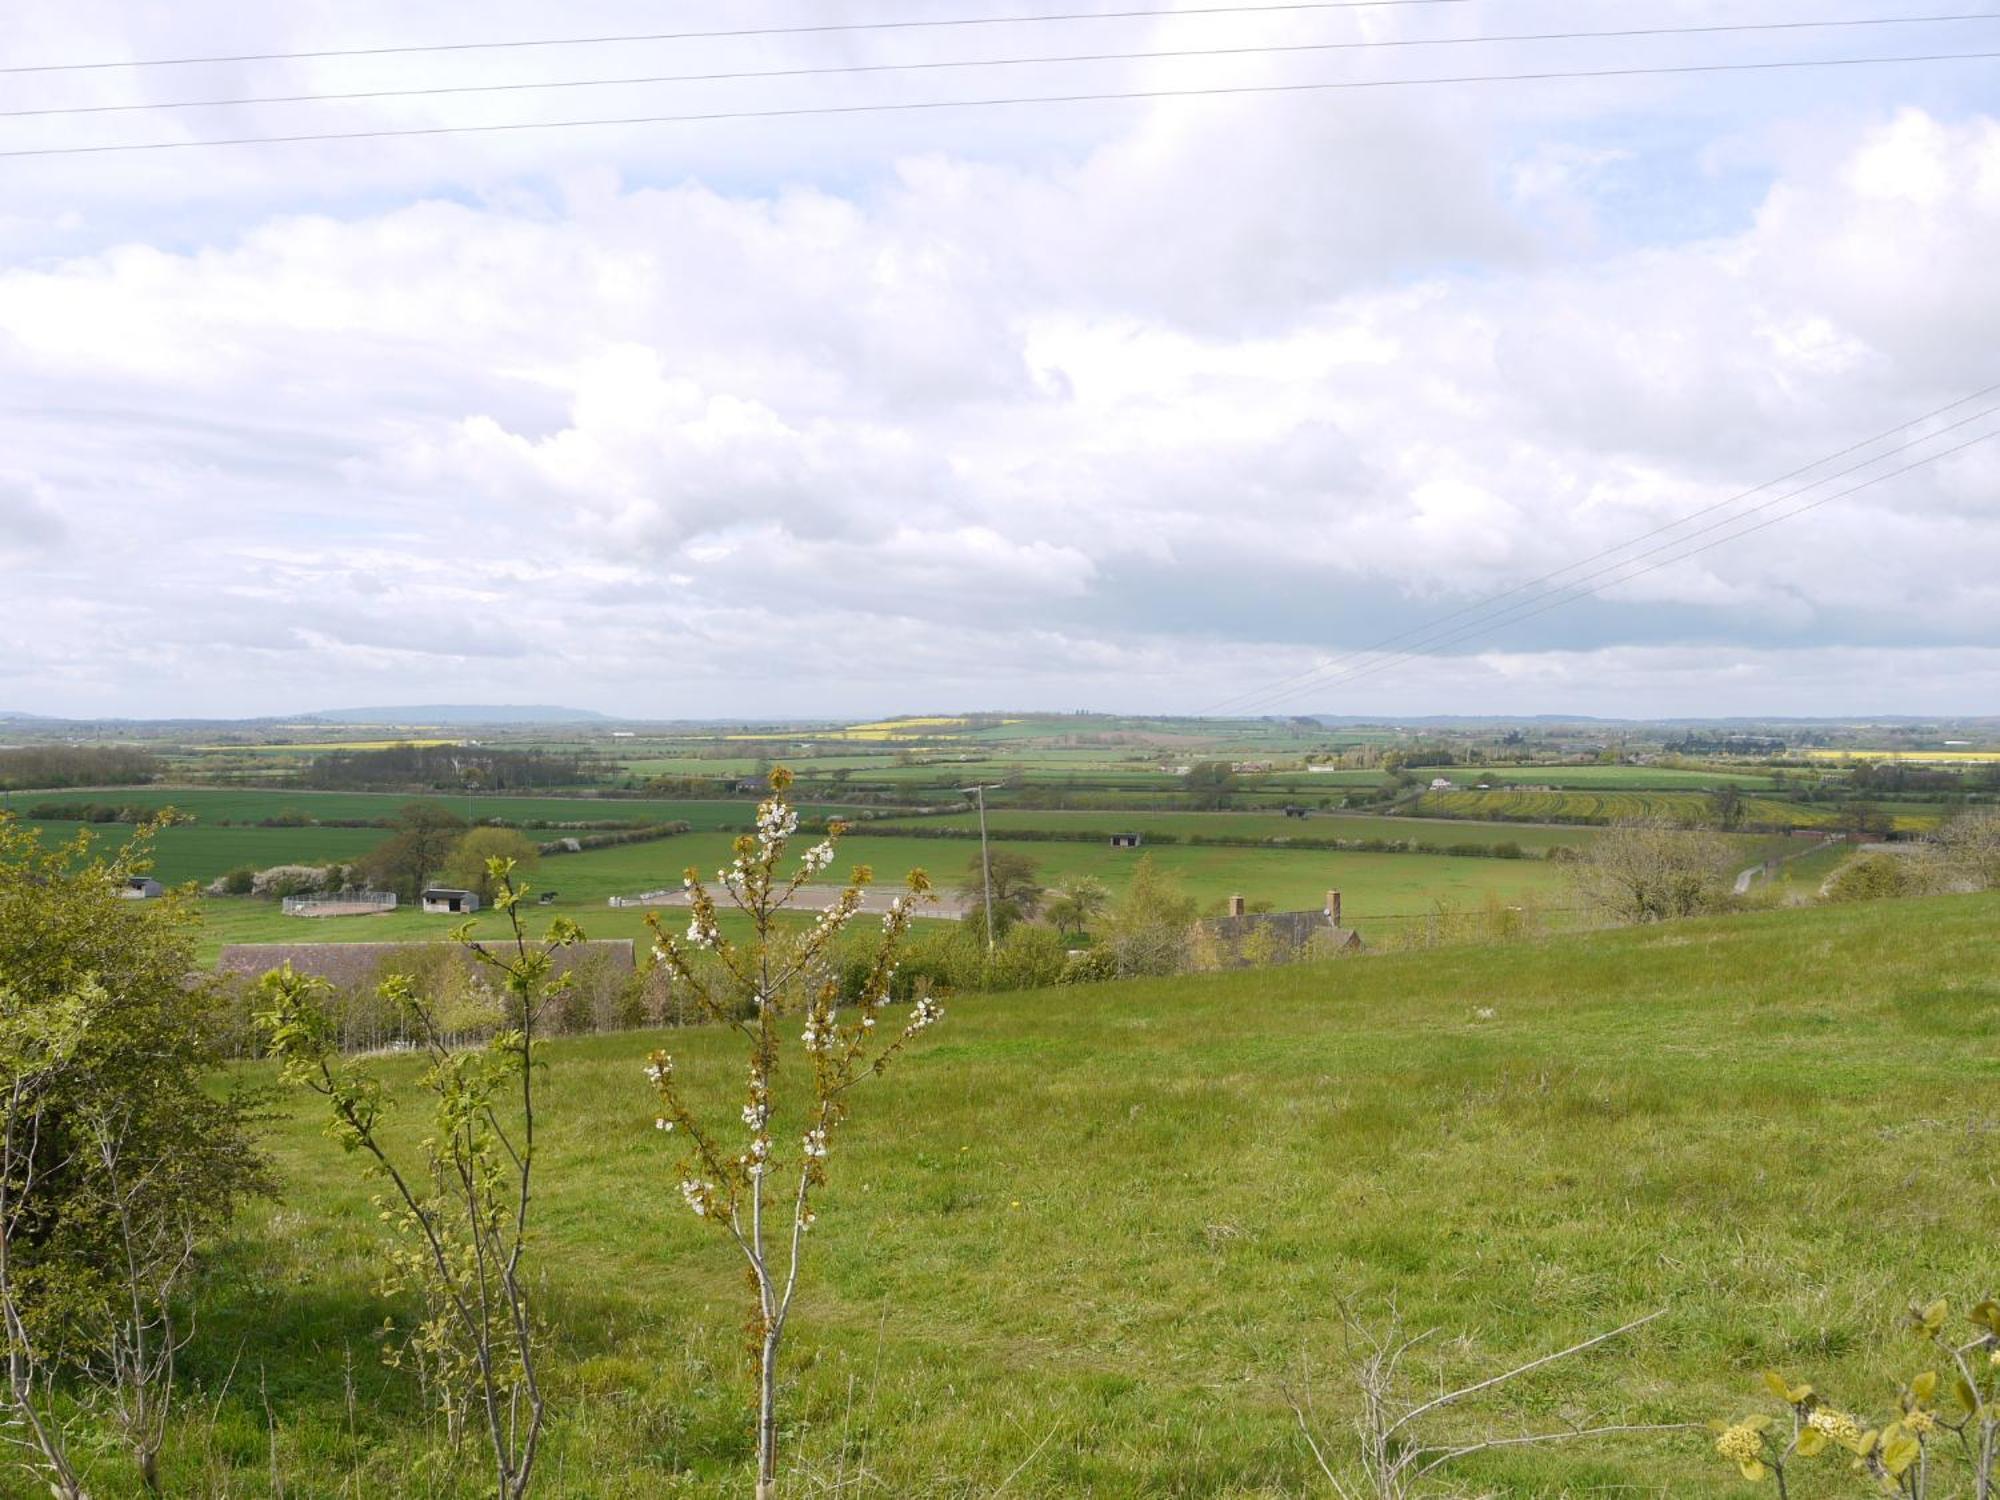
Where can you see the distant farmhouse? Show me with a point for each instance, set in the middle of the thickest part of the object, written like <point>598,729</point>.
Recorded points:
<point>1250,939</point>
<point>141,888</point>
<point>1125,840</point>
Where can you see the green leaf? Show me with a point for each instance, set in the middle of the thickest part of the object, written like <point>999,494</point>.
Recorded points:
<point>1812,1442</point>
<point>1924,1386</point>
<point>1966,1396</point>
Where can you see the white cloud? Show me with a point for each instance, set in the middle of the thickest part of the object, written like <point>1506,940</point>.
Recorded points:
<point>1139,417</point>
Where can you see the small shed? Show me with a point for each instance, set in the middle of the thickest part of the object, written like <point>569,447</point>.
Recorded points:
<point>444,900</point>
<point>1124,840</point>
<point>1440,783</point>
<point>141,888</point>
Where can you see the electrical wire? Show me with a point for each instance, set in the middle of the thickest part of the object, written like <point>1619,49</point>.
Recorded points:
<point>734,31</point>
<point>1369,670</point>
<point>1480,605</point>
<point>1279,48</point>
<point>932,105</point>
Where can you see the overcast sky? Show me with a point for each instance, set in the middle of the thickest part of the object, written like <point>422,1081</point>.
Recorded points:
<point>1144,405</point>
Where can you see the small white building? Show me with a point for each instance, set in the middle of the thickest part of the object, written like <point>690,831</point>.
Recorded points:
<point>1440,783</point>
<point>141,888</point>
<point>447,901</point>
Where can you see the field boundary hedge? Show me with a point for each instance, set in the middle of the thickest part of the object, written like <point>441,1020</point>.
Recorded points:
<point>1505,849</point>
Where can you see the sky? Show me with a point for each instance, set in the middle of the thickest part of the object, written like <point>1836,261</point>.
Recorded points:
<point>1242,402</point>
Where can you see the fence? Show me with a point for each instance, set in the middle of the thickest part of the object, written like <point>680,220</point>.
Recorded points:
<point>340,904</point>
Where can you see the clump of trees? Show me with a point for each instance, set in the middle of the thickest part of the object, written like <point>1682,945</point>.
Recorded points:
<point>1001,887</point>
<point>1651,871</point>
<point>53,766</point>
<point>425,835</point>
<point>119,1161</point>
<point>447,768</point>
<point>479,851</point>
<point>1959,856</point>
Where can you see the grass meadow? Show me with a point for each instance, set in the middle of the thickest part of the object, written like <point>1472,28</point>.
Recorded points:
<point>1374,887</point>
<point>1265,824</point>
<point>1082,1242</point>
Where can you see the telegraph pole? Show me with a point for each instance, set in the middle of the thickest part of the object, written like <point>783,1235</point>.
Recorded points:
<point>985,862</point>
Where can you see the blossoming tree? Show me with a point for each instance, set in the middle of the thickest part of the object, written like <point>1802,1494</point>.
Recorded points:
<point>762,1194</point>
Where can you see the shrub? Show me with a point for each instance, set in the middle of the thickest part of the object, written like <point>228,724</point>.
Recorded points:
<point>240,881</point>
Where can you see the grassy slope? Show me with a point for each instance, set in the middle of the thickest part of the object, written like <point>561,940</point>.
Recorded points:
<point>1120,1216</point>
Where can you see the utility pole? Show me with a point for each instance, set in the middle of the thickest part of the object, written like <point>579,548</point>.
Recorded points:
<point>985,863</point>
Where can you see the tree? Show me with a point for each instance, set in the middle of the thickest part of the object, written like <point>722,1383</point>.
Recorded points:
<point>1210,784</point>
<point>1725,805</point>
<point>424,835</point>
<point>780,978</point>
<point>118,1161</point>
<point>1017,895</point>
<point>461,1212</point>
<point>1969,848</point>
<point>470,864</point>
<point>1149,928</point>
<point>1649,871</point>
<point>1076,903</point>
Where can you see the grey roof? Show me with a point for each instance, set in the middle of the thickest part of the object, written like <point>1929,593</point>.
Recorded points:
<point>1295,934</point>
<point>354,965</point>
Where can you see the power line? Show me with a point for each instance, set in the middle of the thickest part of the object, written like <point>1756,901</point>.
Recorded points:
<point>735,31</point>
<point>543,85</point>
<point>1283,685</point>
<point>928,105</point>
<point>1583,593</point>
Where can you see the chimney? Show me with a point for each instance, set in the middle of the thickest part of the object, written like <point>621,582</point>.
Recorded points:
<point>1235,906</point>
<point>1333,907</point>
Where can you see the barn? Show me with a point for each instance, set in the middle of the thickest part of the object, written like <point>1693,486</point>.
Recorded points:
<point>444,900</point>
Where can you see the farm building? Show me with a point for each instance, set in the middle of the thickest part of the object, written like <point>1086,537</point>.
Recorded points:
<point>1124,840</point>
<point>1246,939</point>
<point>444,900</point>
<point>141,888</point>
<point>1440,783</point>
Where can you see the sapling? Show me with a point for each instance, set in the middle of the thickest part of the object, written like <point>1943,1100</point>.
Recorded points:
<point>762,1195</point>
<point>1943,1443</point>
<point>462,1211</point>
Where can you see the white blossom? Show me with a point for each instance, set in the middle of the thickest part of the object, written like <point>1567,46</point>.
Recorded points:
<point>926,1012</point>
<point>695,1192</point>
<point>815,1142</point>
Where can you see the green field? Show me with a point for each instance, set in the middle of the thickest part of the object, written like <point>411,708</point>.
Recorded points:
<point>1615,806</point>
<point>238,805</point>
<point>1083,1243</point>
<point>1378,890</point>
<point>1255,825</point>
<point>1638,778</point>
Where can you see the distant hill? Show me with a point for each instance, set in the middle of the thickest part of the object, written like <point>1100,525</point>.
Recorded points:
<point>424,715</point>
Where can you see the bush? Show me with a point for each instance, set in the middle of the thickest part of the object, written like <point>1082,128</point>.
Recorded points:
<point>1089,966</point>
<point>240,881</point>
